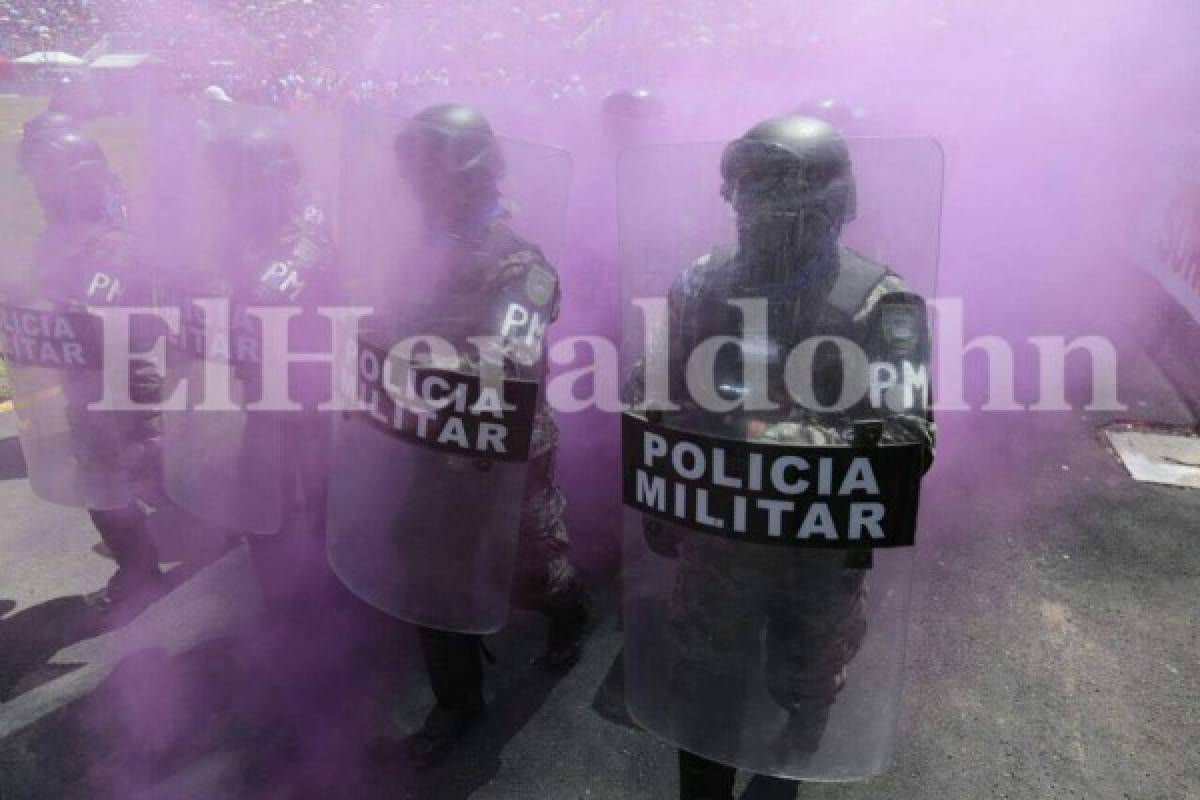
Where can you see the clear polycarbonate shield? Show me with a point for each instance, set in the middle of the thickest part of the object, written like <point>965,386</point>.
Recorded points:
<point>75,456</point>
<point>429,467</point>
<point>241,220</point>
<point>776,434</point>
<point>68,247</point>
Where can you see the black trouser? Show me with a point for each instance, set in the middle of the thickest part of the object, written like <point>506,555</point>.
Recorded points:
<point>126,536</point>
<point>701,779</point>
<point>292,568</point>
<point>454,662</point>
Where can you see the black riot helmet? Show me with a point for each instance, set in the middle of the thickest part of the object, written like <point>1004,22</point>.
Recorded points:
<point>632,104</point>
<point>451,140</point>
<point>37,128</point>
<point>69,171</point>
<point>790,182</point>
<point>258,171</point>
<point>242,156</point>
<point>849,120</point>
<point>451,157</point>
<point>802,161</point>
<point>48,120</point>
<point>627,112</point>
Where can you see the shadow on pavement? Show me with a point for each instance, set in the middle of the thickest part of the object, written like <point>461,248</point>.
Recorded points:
<point>140,732</point>
<point>30,638</point>
<point>282,708</point>
<point>521,689</point>
<point>149,715</point>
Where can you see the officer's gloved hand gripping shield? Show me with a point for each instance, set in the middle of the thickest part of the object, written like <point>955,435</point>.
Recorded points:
<point>69,250</point>
<point>448,234</point>
<point>241,230</point>
<point>776,375</point>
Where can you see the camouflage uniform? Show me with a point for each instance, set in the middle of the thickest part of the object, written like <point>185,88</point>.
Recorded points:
<point>811,603</point>
<point>481,276</point>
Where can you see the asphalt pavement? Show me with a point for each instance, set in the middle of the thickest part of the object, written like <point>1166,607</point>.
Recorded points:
<point>1053,653</point>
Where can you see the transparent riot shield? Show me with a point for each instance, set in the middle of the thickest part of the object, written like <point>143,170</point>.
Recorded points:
<point>241,220</point>
<point>74,456</point>
<point>448,238</point>
<point>69,246</point>
<point>776,434</point>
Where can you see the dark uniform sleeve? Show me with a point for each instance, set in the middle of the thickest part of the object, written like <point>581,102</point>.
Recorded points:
<point>99,266</point>
<point>301,273</point>
<point>117,274</point>
<point>663,538</point>
<point>521,298</point>
<point>299,270</point>
<point>681,338</point>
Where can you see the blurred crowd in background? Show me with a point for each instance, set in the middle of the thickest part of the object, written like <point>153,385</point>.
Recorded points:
<point>282,52</point>
<point>31,25</point>
<point>321,53</point>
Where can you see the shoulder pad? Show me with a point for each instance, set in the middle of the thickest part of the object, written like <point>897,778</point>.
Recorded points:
<point>525,270</point>
<point>697,277</point>
<point>856,279</point>
<point>111,266</point>
<point>312,215</point>
<point>903,323</point>
<point>300,262</point>
<point>713,261</point>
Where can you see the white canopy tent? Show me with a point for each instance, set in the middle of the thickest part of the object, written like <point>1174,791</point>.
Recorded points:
<point>50,58</point>
<point>122,60</point>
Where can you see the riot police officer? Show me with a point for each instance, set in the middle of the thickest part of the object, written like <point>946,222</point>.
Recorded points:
<point>731,603</point>
<point>265,242</point>
<point>276,249</point>
<point>455,164</point>
<point>458,536</point>
<point>85,256</point>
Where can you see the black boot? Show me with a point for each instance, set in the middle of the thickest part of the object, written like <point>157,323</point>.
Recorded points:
<point>455,664</point>
<point>441,731</point>
<point>138,581</point>
<point>569,612</point>
<point>766,787</point>
<point>701,779</point>
<point>800,738</point>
